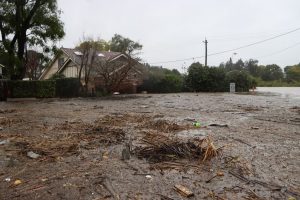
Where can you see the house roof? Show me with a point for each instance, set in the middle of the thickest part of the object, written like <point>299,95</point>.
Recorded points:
<point>75,55</point>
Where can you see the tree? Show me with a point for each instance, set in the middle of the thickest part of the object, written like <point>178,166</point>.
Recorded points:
<point>196,77</point>
<point>162,80</point>
<point>27,23</point>
<point>112,72</point>
<point>121,44</point>
<point>88,50</point>
<point>292,73</point>
<point>271,73</point>
<point>34,64</point>
<point>243,81</point>
<point>252,67</point>
<point>239,65</point>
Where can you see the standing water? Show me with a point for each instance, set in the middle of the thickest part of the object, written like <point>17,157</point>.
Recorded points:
<point>287,92</point>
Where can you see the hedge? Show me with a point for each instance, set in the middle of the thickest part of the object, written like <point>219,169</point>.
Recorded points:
<point>45,89</point>
<point>26,89</point>
<point>67,87</point>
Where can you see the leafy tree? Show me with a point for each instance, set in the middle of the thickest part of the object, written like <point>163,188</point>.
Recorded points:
<point>99,44</point>
<point>197,76</point>
<point>271,73</point>
<point>243,81</point>
<point>121,44</point>
<point>292,73</point>
<point>216,80</point>
<point>252,67</point>
<point>27,23</point>
<point>162,80</point>
<point>239,65</point>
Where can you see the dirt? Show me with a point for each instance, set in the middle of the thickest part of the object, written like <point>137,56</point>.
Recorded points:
<point>80,144</point>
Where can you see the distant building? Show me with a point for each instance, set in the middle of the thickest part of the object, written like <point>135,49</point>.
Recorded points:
<point>68,63</point>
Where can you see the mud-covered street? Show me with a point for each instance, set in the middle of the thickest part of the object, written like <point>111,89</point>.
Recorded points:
<point>77,148</point>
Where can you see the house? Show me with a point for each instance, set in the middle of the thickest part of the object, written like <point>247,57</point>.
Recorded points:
<point>69,62</point>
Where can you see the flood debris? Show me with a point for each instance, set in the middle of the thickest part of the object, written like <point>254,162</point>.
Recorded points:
<point>2,142</point>
<point>216,175</point>
<point>17,182</point>
<point>126,152</point>
<point>174,149</point>
<point>162,125</point>
<point>184,191</point>
<point>219,125</point>
<point>271,186</point>
<point>4,111</point>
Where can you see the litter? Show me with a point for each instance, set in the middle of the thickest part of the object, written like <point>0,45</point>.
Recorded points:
<point>7,179</point>
<point>148,177</point>
<point>183,191</point>
<point>4,142</point>
<point>33,155</point>
<point>17,182</point>
<point>218,174</point>
<point>197,124</point>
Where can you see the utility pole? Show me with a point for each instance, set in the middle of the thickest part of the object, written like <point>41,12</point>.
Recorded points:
<point>205,52</point>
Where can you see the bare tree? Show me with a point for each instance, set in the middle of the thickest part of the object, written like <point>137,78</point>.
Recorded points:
<point>114,71</point>
<point>33,64</point>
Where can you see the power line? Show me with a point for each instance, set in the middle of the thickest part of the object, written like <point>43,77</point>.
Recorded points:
<point>280,51</point>
<point>230,50</point>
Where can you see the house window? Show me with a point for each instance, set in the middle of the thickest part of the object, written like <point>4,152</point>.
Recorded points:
<point>60,62</point>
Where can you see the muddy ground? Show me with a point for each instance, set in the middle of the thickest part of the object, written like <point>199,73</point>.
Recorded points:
<point>80,144</point>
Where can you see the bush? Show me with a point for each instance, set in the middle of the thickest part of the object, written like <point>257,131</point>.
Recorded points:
<point>27,89</point>
<point>243,81</point>
<point>21,89</point>
<point>67,87</point>
<point>45,89</point>
<point>161,80</point>
<point>205,79</point>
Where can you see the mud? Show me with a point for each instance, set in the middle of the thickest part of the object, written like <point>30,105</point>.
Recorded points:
<point>80,143</point>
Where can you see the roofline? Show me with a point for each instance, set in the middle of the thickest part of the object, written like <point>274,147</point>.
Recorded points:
<point>71,57</point>
<point>47,68</point>
<point>64,65</point>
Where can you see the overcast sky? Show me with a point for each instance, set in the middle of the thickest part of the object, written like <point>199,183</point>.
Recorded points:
<point>175,29</point>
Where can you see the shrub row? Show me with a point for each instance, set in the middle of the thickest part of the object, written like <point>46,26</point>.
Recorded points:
<point>67,87</point>
<point>214,79</point>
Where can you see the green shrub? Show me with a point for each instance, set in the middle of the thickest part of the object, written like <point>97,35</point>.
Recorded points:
<point>28,89</point>
<point>21,89</point>
<point>67,87</point>
<point>162,80</point>
<point>243,81</point>
<point>45,89</point>
<point>205,79</point>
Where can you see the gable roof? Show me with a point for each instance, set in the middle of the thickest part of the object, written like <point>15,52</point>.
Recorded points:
<point>75,56</point>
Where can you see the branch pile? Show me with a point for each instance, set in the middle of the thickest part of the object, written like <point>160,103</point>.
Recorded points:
<point>157,151</point>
